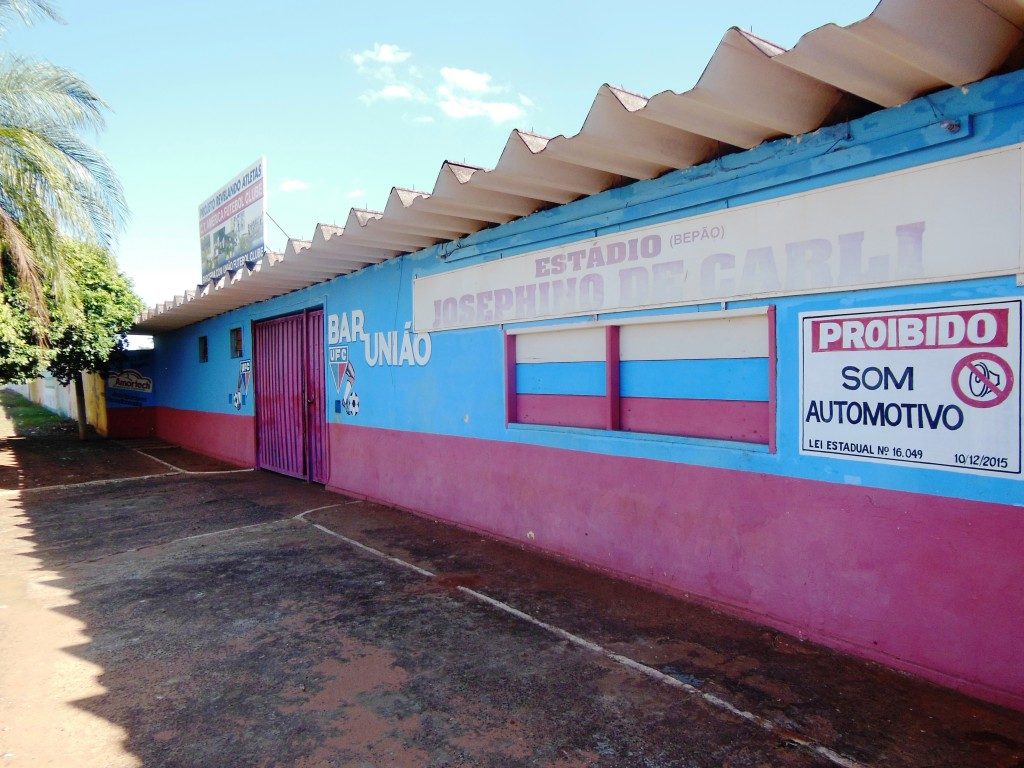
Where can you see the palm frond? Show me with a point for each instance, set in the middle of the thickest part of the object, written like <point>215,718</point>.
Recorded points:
<point>53,183</point>
<point>27,12</point>
<point>48,192</point>
<point>32,90</point>
<point>30,280</point>
<point>76,182</point>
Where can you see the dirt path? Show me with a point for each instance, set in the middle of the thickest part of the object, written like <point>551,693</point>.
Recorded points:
<point>38,448</point>
<point>206,617</point>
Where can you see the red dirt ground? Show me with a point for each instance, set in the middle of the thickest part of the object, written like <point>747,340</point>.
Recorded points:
<point>193,620</point>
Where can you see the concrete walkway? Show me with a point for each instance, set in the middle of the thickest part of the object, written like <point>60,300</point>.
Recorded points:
<point>158,609</point>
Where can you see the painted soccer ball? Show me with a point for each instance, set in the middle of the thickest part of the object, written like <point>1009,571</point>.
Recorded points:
<point>352,404</point>
<point>236,400</point>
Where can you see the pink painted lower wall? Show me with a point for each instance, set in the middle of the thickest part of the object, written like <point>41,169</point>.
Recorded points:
<point>131,422</point>
<point>228,437</point>
<point>929,585</point>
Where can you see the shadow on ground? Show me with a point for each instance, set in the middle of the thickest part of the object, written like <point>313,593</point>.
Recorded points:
<point>38,448</point>
<point>192,620</point>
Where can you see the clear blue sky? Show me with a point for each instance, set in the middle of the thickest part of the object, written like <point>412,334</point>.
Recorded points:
<point>349,100</point>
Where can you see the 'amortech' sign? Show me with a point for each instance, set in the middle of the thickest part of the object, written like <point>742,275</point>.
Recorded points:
<point>936,385</point>
<point>911,226</point>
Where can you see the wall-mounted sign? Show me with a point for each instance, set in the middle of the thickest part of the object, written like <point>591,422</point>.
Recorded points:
<point>931,385</point>
<point>238,397</point>
<point>343,374</point>
<point>906,227</point>
<point>130,380</point>
<point>231,222</point>
<point>348,331</point>
<point>391,348</point>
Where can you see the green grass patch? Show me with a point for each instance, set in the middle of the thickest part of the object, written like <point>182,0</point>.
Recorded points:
<point>26,415</point>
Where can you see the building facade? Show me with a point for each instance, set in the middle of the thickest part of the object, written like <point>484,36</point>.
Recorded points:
<point>785,382</point>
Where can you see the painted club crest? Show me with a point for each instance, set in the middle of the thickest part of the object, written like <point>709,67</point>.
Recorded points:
<point>238,397</point>
<point>344,375</point>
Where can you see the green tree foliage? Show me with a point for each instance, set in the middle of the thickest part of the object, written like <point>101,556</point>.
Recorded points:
<point>21,356</point>
<point>85,335</point>
<point>84,330</point>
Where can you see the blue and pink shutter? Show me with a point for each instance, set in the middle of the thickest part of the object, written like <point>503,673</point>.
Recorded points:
<point>699,378</point>
<point>560,378</point>
<point>707,376</point>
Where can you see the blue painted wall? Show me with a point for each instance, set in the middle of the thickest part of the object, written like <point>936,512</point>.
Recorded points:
<point>460,392</point>
<point>141,360</point>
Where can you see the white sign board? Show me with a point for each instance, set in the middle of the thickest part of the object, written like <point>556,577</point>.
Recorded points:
<point>231,222</point>
<point>131,380</point>
<point>934,385</point>
<point>911,226</point>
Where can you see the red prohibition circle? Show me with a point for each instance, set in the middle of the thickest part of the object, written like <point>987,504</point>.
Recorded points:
<point>966,363</point>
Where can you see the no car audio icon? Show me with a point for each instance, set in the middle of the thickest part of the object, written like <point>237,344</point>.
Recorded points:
<point>982,379</point>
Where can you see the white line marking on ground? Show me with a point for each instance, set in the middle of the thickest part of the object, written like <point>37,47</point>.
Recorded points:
<point>109,481</point>
<point>158,461</point>
<point>636,666</point>
<point>372,551</point>
<point>216,471</point>
<point>219,532</point>
<point>620,659</point>
<point>188,471</point>
<point>715,701</point>
<point>176,471</point>
<point>168,543</point>
<point>301,516</point>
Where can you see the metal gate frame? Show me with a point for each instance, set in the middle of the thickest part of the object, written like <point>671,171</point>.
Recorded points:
<point>306,473</point>
<point>317,466</point>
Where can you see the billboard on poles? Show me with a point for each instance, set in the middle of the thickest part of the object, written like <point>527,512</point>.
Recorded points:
<point>231,222</point>
<point>934,385</point>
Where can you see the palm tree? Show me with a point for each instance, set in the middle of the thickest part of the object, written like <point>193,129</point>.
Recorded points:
<point>53,184</point>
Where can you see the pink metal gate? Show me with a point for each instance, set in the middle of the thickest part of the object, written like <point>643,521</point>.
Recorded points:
<point>316,406</point>
<point>288,363</point>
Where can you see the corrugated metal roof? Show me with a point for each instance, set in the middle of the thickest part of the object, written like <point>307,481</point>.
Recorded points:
<point>751,91</point>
